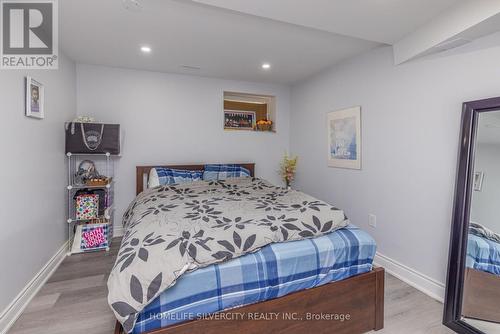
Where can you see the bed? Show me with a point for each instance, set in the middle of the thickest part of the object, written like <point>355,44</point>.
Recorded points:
<point>326,283</point>
<point>482,279</point>
<point>483,254</point>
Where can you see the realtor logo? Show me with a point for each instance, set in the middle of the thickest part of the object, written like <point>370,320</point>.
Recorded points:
<point>29,38</point>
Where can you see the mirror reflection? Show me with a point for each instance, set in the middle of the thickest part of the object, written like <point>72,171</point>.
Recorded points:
<point>481,290</point>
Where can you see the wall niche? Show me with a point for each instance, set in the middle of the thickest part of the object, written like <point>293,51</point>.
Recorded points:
<point>249,112</point>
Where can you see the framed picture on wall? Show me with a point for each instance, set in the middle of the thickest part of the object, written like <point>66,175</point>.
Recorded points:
<point>34,98</point>
<point>344,138</point>
<point>239,120</point>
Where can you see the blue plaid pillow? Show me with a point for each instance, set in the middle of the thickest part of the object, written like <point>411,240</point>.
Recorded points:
<point>222,172</point>
<point>171,176</point>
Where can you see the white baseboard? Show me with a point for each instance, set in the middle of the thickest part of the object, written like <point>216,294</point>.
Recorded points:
<point>17,306</point>
<point>419,281</point>
<point>118,231</point>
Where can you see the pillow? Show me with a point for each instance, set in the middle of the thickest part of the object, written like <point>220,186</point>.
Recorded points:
<point>162,176</point>
<point>153,179</point>
<point>222,172</point>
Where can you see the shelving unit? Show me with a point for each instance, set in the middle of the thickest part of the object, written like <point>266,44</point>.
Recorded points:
<point>105,166</point>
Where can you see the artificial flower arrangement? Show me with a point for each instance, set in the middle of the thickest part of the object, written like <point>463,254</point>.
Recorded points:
<point>288,167</point>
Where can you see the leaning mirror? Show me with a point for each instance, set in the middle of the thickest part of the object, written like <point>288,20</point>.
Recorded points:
<point>472,302</point>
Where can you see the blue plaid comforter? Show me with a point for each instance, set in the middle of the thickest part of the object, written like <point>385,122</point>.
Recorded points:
<point>483,254</point>
<point>274,271</point>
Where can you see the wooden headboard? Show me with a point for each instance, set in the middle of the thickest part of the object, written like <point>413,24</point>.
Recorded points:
<point>142,172</point>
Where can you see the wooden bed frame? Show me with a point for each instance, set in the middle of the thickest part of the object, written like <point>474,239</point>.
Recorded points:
<point>360,297</point>
<point>481,295</point>
<point>351,306</point>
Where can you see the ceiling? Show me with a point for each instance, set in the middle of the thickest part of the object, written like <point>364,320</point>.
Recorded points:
<point>221,43</point>
<point>384,21</point>
<point>231,39</point>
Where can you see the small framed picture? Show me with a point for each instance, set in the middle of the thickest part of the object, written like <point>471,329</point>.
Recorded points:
<point>239,120</point>
<point>478,181</point>
<point>344,138</point>
<point>34,98</point>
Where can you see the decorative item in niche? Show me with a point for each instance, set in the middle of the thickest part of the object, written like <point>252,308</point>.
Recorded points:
<point>34,98</point>
<point>478,181</point>
<point>262,106</point>
<point>288,168</point>
<point>344,138</point>
<point>264,125</point>
<point>239,120</point>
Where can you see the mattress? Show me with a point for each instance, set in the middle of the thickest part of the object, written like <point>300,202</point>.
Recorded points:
<point>273,271</point>
<point>483,254</point>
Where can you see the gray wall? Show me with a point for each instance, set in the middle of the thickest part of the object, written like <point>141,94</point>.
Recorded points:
<point>410,129</point>
<point>33,175</point>
<point>485,207</point>
<point>168,118</point>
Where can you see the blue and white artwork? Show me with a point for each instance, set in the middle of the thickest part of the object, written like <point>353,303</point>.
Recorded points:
<point>344,140</point>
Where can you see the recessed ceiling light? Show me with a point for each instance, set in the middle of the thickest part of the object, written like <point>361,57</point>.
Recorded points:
<point>146,49</point>
<point>266,66</point>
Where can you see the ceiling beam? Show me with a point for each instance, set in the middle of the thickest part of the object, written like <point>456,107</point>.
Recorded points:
<point>460,21</point>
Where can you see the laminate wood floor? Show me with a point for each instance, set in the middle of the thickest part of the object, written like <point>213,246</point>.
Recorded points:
<point>73,301</point>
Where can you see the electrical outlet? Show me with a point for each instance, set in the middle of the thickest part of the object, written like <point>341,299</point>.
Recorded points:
<point>372,220</point>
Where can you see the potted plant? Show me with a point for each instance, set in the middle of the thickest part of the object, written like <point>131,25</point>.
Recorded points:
<point>288,167</point>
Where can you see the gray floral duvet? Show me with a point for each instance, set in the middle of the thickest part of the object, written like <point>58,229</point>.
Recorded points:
<point>179,228</point>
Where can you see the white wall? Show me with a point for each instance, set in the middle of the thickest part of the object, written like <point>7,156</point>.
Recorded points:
<point>485,208</point>
<point>169,119</point>
<point>33,175</point>
<point>410,128</point>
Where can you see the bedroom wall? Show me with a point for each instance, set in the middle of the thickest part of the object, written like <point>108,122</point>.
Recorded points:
<point>33,175</point>
<point>485,207</point>
<point>169,118</point>
<point>410,129</point>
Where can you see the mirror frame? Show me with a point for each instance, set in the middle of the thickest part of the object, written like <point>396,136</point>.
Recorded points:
<point>461,213</point>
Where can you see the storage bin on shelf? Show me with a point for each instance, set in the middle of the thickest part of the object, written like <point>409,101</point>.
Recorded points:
<point>92,237</point>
